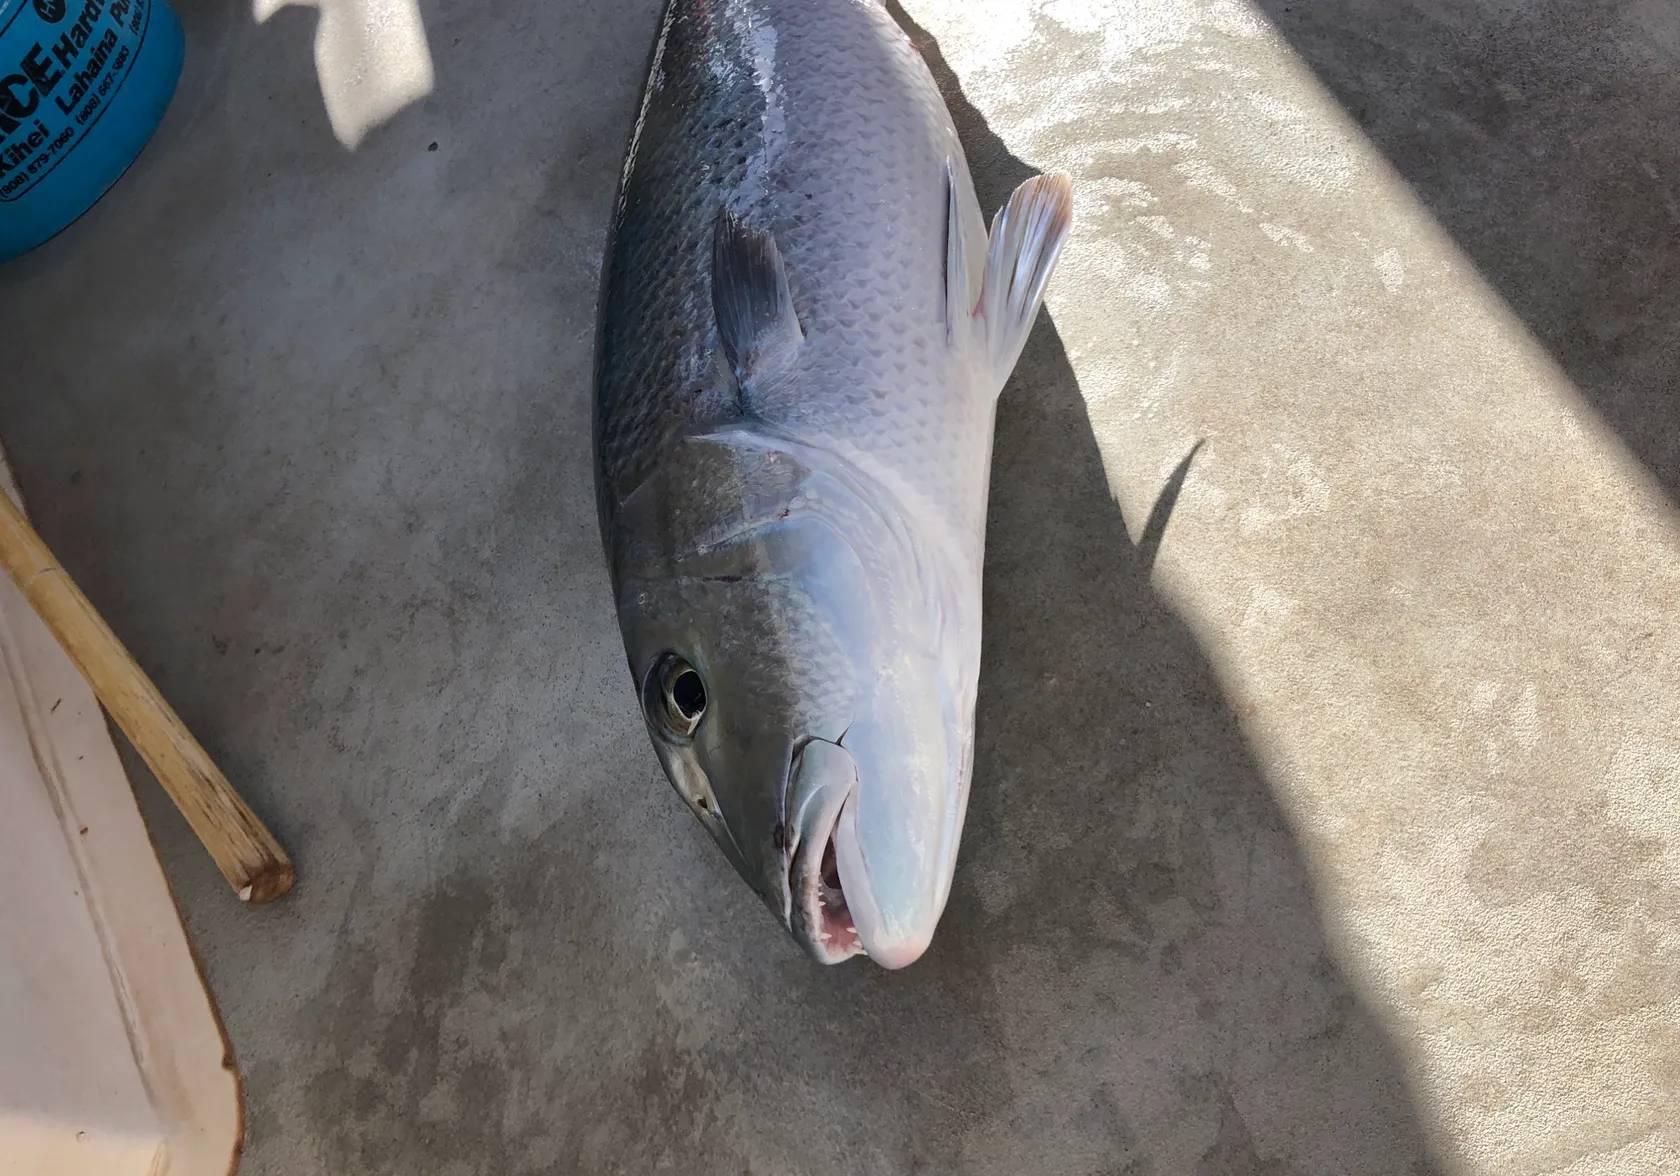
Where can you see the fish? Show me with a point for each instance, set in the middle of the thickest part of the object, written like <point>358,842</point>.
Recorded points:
<point>804,327</point>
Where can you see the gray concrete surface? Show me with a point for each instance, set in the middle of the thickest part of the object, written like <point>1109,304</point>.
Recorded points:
<point>1325,812</point>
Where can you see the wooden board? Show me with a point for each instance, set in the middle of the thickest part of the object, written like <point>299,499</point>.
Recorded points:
<point>112,1057</point>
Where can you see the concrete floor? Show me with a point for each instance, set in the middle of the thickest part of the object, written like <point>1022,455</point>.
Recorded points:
<point>1332,828</point>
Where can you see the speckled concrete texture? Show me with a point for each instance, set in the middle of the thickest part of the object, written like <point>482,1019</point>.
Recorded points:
<point>1327,803</point>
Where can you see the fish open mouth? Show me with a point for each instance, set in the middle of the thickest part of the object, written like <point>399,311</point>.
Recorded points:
<point>822,920</point>
<point>836,929</point>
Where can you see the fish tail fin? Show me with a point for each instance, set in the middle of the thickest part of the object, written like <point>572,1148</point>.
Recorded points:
<point>1026,239</point>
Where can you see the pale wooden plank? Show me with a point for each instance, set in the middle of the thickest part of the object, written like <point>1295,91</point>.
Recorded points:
<point>112,1044</point>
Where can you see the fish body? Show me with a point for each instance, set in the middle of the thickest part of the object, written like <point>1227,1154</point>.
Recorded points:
<point>804,330</point>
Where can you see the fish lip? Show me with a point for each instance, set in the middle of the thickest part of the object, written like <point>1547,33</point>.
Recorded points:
<point>824,931</point>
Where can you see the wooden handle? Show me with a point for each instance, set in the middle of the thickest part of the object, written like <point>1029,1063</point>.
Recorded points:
<point>249,857</point>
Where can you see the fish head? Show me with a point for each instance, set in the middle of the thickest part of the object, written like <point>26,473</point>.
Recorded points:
<point>796,683</point>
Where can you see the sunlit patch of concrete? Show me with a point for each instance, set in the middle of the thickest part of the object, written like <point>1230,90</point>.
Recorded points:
<point>372,59</point>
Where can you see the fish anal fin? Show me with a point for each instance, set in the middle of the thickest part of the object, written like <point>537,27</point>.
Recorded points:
<point>959,304</point>
<point>965,252</point>
<point>756,321</point>
<point>1026,239</point>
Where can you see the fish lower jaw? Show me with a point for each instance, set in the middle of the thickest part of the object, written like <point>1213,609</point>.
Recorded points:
<point>821,919</point>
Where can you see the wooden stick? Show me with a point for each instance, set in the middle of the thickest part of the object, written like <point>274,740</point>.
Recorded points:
<point>249,857</point>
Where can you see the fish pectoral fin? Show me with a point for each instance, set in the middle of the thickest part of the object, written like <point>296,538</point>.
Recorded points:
<point>1027,237</point>
<point>756,322</point>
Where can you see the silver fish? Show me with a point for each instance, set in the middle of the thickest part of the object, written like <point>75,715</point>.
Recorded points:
<point>804,330</point>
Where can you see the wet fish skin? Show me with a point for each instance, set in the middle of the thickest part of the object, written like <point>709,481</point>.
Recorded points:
<point>803,332</point>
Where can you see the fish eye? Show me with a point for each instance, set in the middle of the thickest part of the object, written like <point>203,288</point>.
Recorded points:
<point>682,696</point>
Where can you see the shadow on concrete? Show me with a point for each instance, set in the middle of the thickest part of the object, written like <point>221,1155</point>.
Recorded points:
<point>1545,138</point>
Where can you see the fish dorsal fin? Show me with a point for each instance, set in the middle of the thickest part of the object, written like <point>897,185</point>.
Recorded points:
<point>1027,237</point>
<point>756,322</point>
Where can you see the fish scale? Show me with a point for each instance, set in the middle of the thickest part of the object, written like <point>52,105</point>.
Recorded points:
<point>849,180</point>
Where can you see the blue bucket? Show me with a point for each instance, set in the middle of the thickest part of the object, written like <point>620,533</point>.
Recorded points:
<point>83,84</point>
